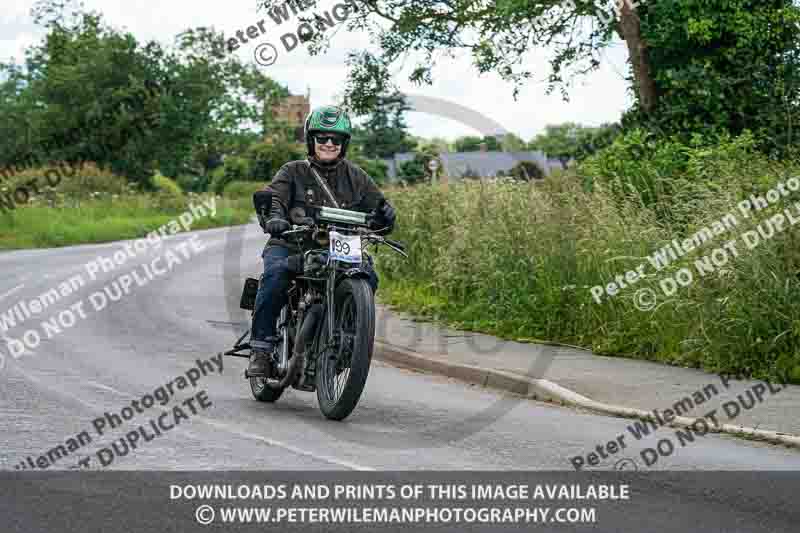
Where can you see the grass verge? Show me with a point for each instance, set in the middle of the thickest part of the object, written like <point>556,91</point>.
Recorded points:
<point>519,260</point>
<point>108,219</point>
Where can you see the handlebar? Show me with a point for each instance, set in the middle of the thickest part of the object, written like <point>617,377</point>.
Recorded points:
<point>368,234</point>
<point>397,244</point>
<point>297,229</point>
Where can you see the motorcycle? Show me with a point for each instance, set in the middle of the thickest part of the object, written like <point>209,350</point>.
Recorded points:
<point>326,331</point>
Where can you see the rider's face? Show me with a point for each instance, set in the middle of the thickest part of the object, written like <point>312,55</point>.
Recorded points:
<point>327,151</point>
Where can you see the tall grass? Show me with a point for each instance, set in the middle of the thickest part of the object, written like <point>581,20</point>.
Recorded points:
<point>518,260</point>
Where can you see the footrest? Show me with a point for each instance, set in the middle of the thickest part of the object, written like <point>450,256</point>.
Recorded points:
<point>235,353</point>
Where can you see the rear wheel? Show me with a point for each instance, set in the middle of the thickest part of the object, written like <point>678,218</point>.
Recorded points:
<point>343,368</point>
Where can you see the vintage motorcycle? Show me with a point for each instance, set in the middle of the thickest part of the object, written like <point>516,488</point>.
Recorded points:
<point>327,329</point>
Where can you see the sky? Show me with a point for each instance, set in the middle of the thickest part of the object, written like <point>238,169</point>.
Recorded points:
<point>596,98</point>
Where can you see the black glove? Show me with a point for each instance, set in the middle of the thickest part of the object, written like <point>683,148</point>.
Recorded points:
<point>277,222</point>
<point>276,226</point>
<point>297,215</point>
<point>385,215</point>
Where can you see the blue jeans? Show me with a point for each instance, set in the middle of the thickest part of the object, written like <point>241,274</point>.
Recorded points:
<point>272,293</point>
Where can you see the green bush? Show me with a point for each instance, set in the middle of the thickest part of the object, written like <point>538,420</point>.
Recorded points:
<point>191,183</point>
<point>238,189</point>
<point>526,170</point>
<point>375,168</point>
<point>235,168</point>
<point>267,157</point>
<point>165,185</point>
<point>76,182</point>
<point>671,177</point>
<point>416,170</point>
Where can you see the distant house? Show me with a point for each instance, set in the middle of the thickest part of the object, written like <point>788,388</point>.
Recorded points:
<point>489,164</point>
<point>293,110</point>
<point>484,164</point>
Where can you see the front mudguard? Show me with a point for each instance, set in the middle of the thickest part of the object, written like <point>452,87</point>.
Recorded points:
<point>355,272</point>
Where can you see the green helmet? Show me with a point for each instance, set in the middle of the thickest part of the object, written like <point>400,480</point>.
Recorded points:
<point>327,119</point>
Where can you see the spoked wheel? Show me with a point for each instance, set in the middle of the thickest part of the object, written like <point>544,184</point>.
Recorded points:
<point>344,367</point>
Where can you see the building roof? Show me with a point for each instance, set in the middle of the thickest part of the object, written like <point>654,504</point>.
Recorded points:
<point>488,164</point>
<point>482,164</point>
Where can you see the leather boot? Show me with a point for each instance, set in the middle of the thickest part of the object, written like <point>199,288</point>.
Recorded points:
<point>261,361</point>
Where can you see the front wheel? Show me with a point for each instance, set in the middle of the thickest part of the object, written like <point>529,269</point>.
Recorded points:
<point>344,365</point>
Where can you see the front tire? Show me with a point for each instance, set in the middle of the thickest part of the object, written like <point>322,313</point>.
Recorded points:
<point>342,370</point>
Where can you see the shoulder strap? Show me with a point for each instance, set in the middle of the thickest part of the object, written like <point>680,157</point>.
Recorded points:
<point>321,182</point>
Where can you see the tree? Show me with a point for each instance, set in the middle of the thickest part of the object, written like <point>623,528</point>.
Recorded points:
<point>685,55</point>
<point>434,145</point>
<point>592,140</point>
<point>89,92</point>
<point>511,143</point>
<point>375,168</point>
<point>470,143</point>
<point>573,141</point>
<point>417,170</point>
<point>384,133</point>
<point>724,66</point>
<point>498,36</point>
<point>559,141</point>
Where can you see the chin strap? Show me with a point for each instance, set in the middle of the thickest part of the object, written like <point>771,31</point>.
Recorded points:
<point>323,184</point>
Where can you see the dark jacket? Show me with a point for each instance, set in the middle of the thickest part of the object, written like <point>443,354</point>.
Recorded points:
<point>351,186</point>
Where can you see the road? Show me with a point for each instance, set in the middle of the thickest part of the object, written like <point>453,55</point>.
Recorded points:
<point>405,421</point>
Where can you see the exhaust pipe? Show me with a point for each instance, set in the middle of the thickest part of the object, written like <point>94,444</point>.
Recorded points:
<point>307,330</point>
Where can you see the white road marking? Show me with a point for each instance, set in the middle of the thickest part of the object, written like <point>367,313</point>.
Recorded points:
<point>107,388</point>
<point>291,448</point>
<point>219,425</point>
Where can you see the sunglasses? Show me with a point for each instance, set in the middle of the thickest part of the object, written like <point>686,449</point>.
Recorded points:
<point>323,139</point>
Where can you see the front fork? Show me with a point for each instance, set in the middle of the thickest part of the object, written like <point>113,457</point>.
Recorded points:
<point>331,289</point>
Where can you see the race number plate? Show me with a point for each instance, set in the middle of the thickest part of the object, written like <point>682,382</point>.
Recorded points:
<point>346,248</point>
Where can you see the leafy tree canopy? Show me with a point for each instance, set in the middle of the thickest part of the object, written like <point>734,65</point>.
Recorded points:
<point>696,66</point>
<point>89,92</point>
<point>385,133</point>
<point>573,141</point>
<point>473,144</point>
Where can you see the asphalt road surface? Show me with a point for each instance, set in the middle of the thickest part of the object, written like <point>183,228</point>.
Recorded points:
<point>157,332</point>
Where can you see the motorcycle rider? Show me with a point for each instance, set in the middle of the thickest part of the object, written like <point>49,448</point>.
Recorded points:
<point>325,178</point>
